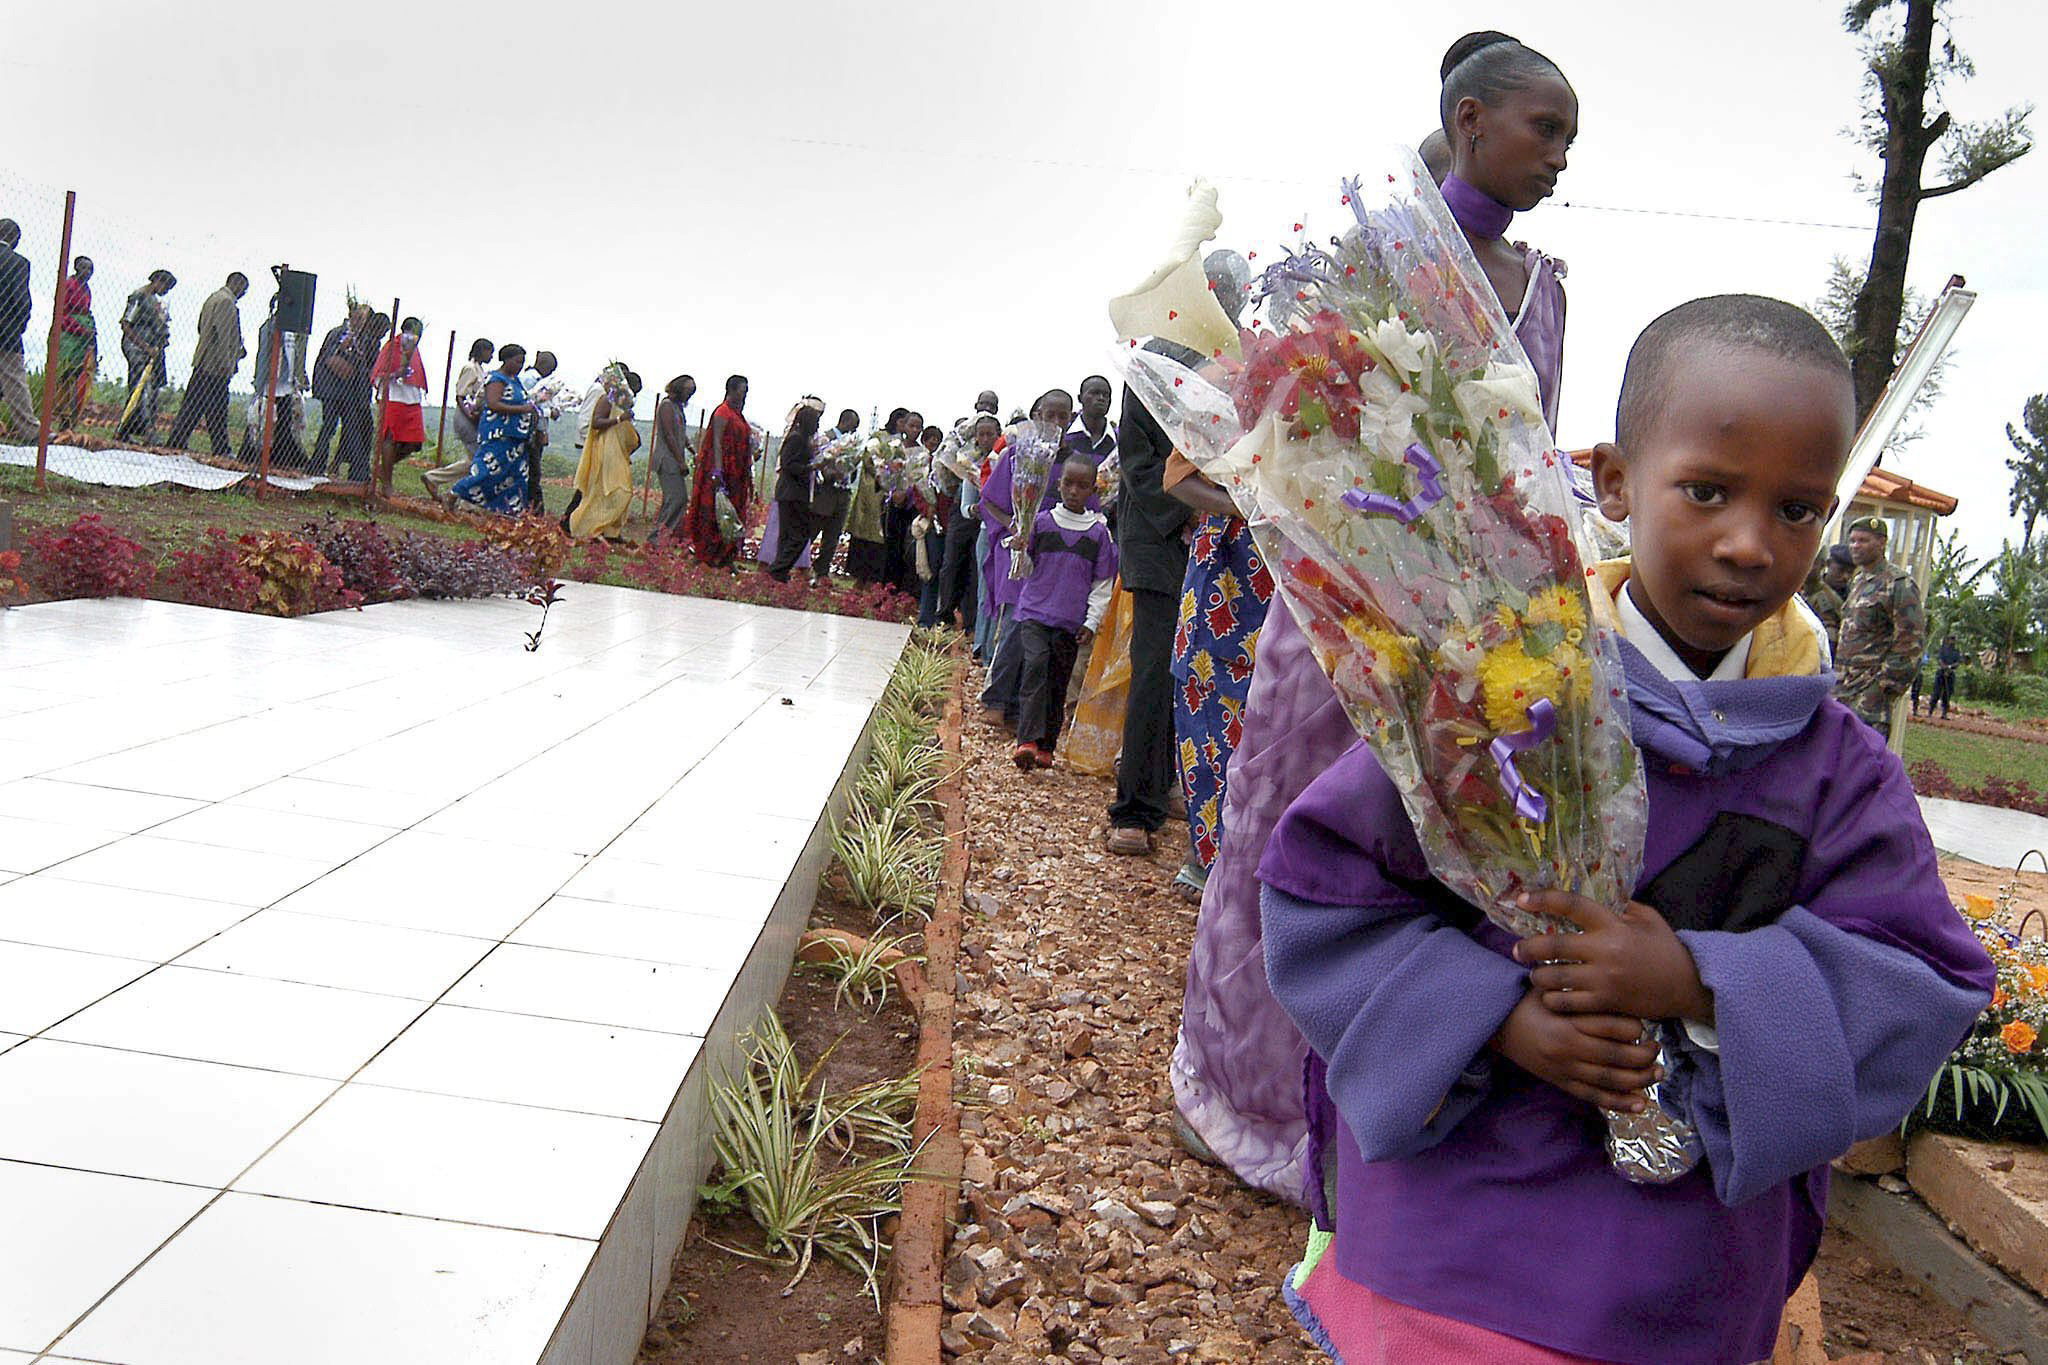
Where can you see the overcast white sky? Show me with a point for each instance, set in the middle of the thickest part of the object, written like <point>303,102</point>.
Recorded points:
<point>904,201</point>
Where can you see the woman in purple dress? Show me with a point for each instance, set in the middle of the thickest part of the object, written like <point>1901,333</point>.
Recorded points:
<point>1237,1067</point>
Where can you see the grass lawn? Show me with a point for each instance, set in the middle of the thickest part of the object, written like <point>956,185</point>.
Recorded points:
<point>1970,759</point>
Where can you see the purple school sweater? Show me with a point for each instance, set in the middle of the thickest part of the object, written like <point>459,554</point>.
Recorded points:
<point>1066,566</point>
<point>1786,847</point>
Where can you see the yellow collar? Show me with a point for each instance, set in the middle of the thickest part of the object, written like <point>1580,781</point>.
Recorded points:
<point>1784,646</point>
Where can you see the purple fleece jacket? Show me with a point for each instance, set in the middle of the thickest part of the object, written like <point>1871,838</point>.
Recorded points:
<point>1786,846</point>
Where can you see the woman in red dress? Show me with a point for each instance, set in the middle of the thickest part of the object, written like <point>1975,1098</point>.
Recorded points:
<point>724,465</point>
<point>401,376</point>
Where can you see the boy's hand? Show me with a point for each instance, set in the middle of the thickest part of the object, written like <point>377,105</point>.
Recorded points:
<point>1629,964</point>
<point>1591,1057</point>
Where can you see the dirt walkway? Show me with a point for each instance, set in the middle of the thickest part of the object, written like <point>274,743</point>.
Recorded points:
<point>1092,1235</point>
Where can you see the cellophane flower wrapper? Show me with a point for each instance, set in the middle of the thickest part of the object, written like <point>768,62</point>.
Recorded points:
<point>1381,432</point>
<point>1034,450</point>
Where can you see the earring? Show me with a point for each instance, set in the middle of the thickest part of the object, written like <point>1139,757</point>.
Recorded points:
<point>1475,144</point>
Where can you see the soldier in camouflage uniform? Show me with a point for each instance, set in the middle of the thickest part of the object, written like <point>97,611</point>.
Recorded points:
<point>1884,629</point>
<point>1824,589</point>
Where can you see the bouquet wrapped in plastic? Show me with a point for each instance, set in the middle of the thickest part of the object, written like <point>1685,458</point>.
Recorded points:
<point>1380,428</point>
<point>1034,454</point>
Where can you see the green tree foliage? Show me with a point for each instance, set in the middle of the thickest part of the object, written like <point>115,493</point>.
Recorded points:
<point>1910,58</point>
<point>1952,593</point>
<point>2029,467</point>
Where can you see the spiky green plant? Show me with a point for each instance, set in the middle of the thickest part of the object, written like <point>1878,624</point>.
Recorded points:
<point>776,1152</point>
<point>892,868</point>
<point>865,973</point>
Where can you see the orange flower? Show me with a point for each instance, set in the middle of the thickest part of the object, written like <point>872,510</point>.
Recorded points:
<point>1979,907</point>
<point>2018,1037</point>
<point>1998,998</point>
<point>2037,975</point>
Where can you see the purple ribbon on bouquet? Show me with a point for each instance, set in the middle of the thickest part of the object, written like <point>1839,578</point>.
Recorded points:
<point>1529,803</point>
<point>1428,481</point>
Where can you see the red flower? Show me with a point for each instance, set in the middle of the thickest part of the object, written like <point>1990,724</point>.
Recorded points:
<point>1319,366</point>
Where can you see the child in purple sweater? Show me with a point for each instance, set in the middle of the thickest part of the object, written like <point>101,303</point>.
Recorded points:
<point>1790,923</point>
<point>1073,563</point>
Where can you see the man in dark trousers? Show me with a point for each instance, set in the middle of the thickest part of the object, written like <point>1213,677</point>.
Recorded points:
<point>1154,560</point>
<point>1152,552</point>
<point>16,303</point>
<point>215,358</point>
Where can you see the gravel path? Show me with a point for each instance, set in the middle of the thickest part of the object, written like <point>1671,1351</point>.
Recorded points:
<point>1091,1235</point>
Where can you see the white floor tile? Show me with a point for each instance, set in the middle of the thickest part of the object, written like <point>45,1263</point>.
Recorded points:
<point>46,984</point>
<point>716,943</point>
<point>438,1156</point>
<point>525,1059</point>
<point>115,920</point>
<point>42,798</point>
<point>335,801</point>
<point>427,881</point>
<point>270,831</point>
<point>69,1236</point>
<point>32,845</point>
<point>624,882</point>
<point>128,1113</point>
<point>244,1021</point>
<point>237,876</point>
<point>379,958</point>
<point>594,990</point>
<point>254,1281</point>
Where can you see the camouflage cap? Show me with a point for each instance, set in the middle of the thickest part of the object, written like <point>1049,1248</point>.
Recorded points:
<point>1872,525</point>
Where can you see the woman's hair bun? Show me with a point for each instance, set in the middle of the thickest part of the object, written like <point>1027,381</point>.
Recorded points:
<point>1469,44</point>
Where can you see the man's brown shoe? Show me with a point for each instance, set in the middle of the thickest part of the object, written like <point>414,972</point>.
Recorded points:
<point>1130,842</point>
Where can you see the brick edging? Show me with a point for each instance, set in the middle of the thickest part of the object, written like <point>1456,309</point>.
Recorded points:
<point>915,1310</point>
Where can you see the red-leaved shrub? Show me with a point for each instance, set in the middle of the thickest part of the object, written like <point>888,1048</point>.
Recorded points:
<point>213,575</point>
<point>365,558</point>
<point>90,559</point>
<point>1929,778</point>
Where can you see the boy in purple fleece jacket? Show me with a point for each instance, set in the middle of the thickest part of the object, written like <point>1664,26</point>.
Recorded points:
<point>1073,563</point>
<point>1790,919</point>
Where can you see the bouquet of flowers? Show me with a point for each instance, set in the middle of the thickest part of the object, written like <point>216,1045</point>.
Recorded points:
<point>893,473</point>
<point>1380,427</point>
<point>832,455</point>
<point>1034,451</point>
<point>1109,477</point>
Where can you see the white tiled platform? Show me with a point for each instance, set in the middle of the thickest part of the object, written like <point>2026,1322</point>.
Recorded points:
<point>360,976</point>
<point>1984,834</point>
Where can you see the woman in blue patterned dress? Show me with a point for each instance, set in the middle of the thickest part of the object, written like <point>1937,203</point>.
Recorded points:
<point>497,475</point>
<point>1222,608</point>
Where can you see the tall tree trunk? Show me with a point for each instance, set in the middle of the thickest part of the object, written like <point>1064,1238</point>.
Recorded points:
<point>1881,301</point>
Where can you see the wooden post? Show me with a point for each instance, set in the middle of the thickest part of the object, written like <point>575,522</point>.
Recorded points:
<point>447,376</point>
<point>56,337</point>
<point>377,441</point>
<point>268,398</point>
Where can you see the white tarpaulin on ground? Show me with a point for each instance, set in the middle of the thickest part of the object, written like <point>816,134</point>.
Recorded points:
<point>141,468</point>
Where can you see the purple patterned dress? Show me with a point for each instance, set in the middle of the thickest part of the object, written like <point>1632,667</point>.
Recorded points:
<point>1237,1067</point>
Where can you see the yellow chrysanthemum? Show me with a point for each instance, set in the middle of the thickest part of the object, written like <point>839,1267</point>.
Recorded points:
<point>1391,651</point>
<point>1559,605</point>
<point>2037,977</point>
<point>1979,907</point>
<point>1511,682</point>
<point>2018,1037</point>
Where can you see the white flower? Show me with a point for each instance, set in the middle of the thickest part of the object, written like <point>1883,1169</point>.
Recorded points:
<point>1509,388</point>
<point>1403,349</point>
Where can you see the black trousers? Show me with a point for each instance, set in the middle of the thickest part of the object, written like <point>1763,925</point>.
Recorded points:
<point>206,400</point>
<point>536,498</point>
<point>1944,690</point>
<point>285,453</point>
<point>1004,667</point>
<point>331,408</point>
<point>358,435</point>
<point>1046,665</point>
<point>793,531</point>
<point>1144,774</point>
<point>899,561</point>
<point>957,570</point>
